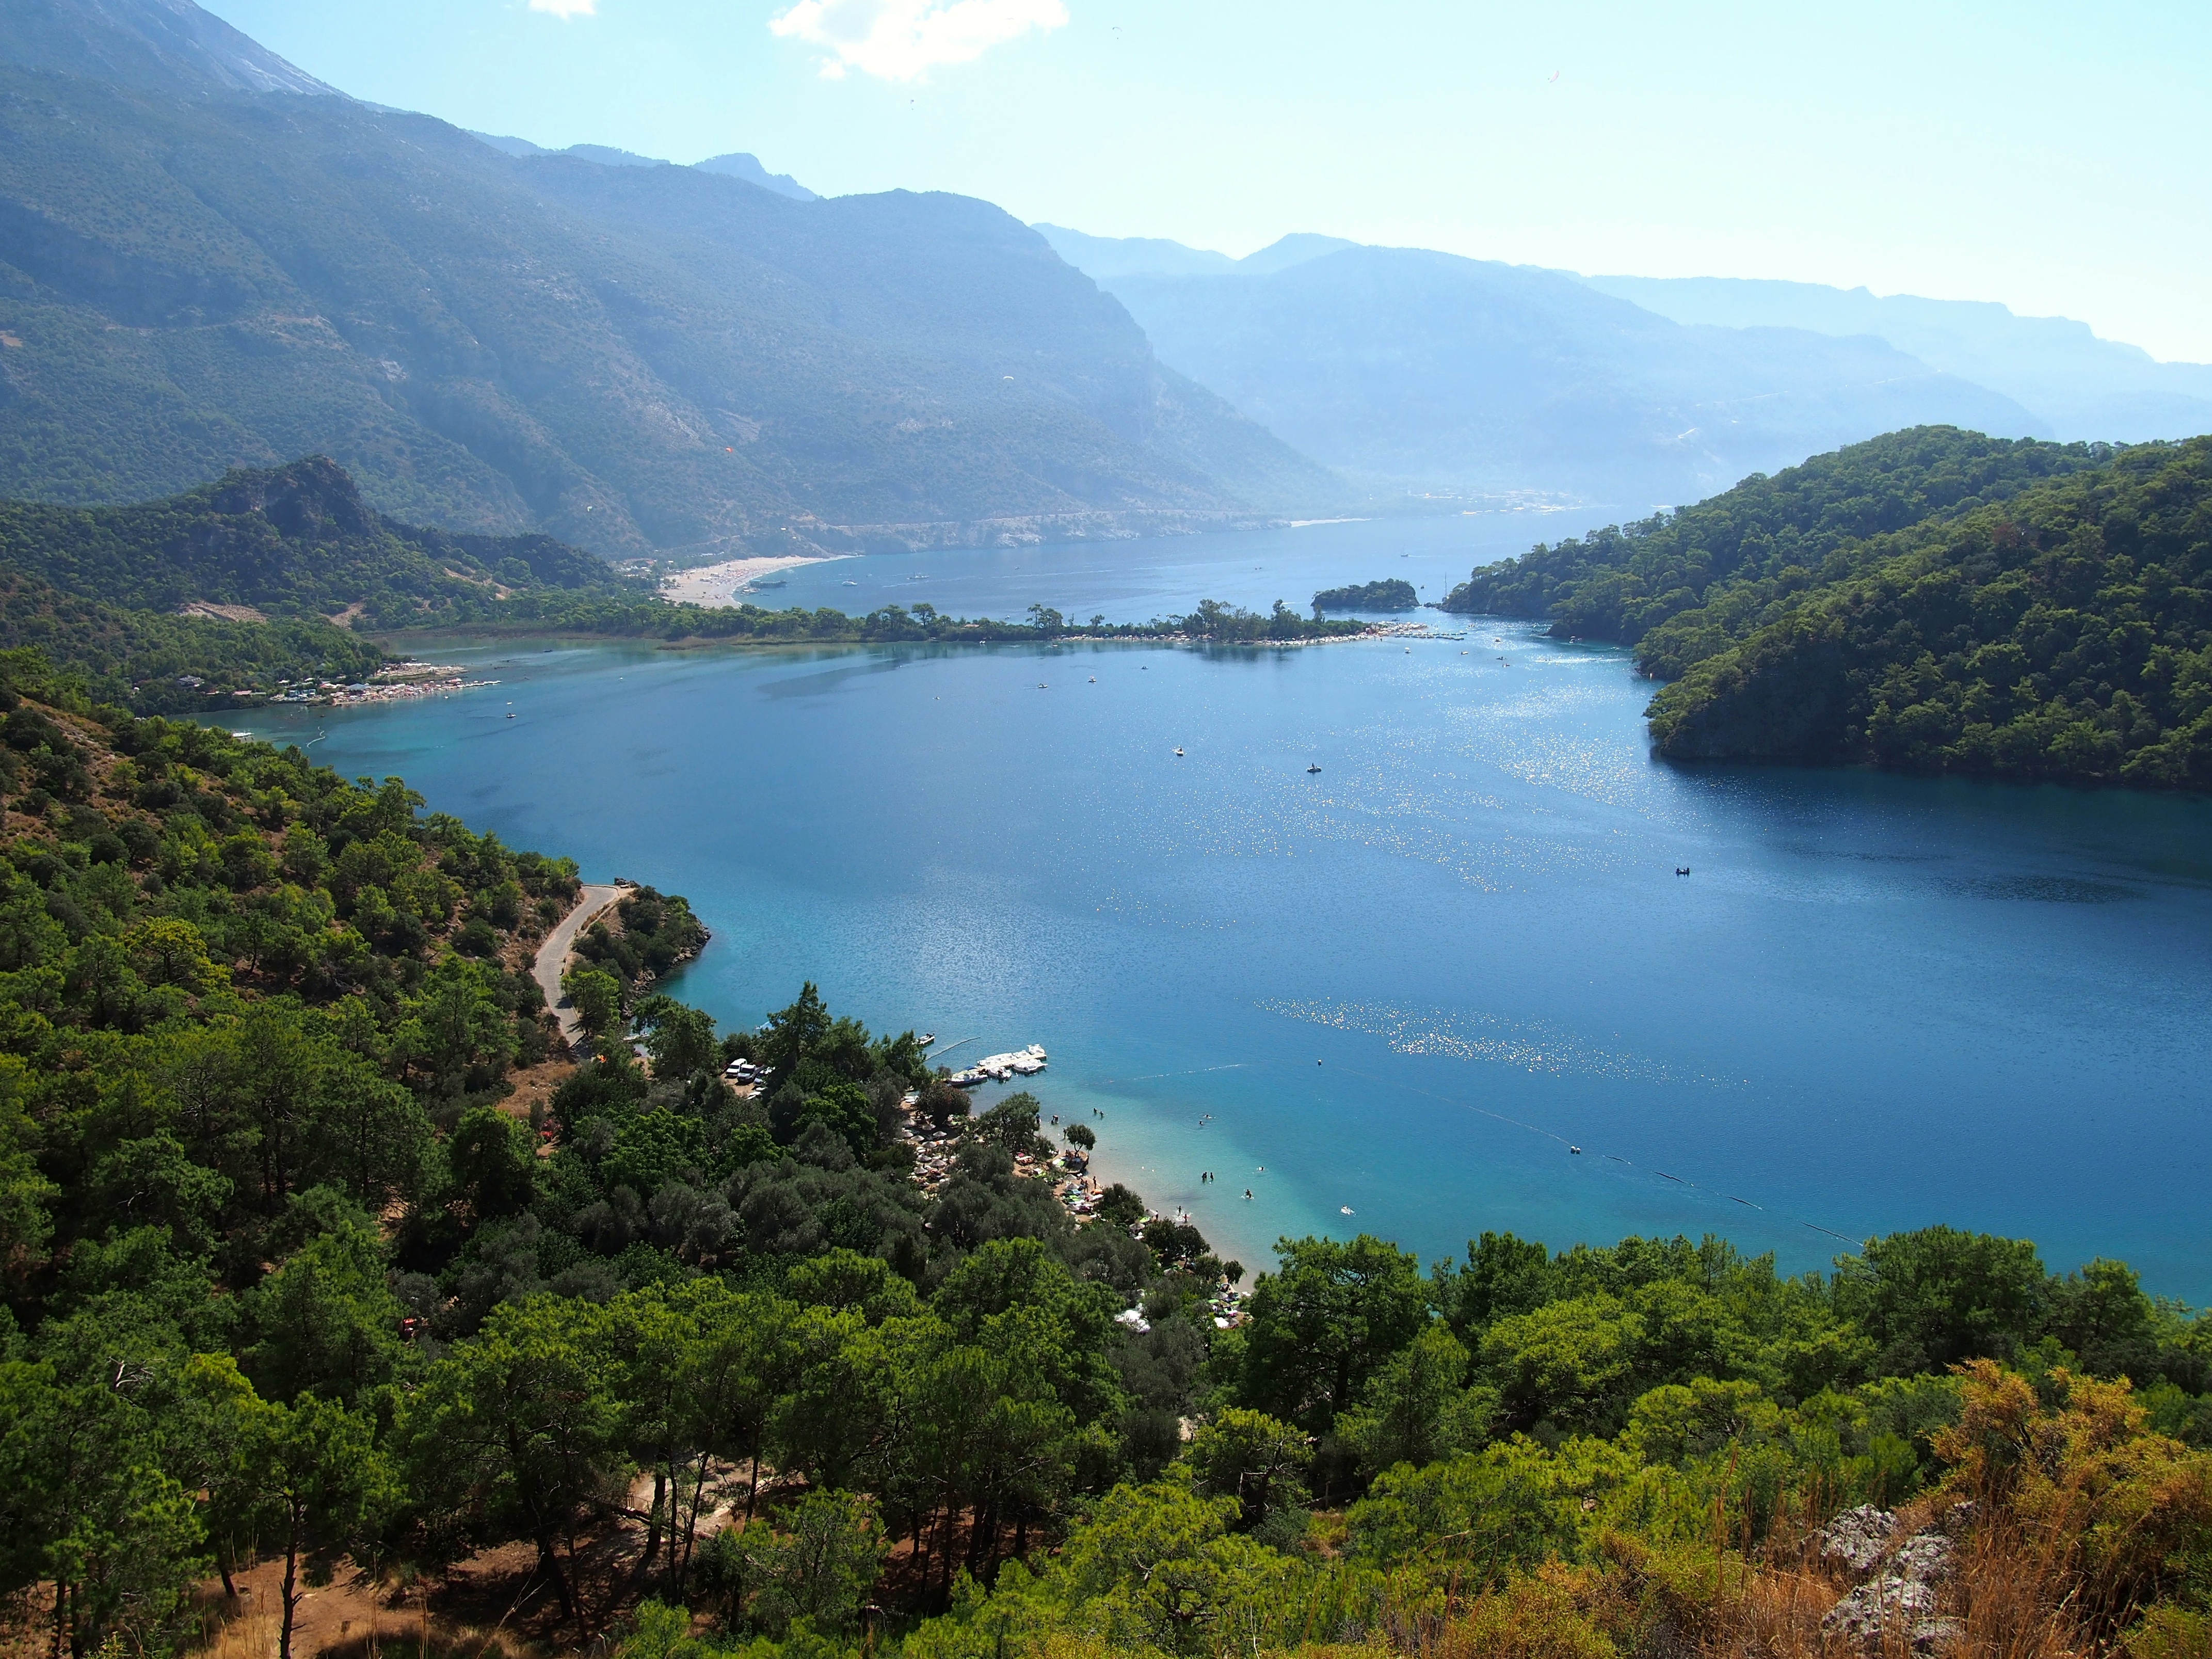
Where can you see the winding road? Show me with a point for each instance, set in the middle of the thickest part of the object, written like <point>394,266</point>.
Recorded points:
<point>553,956</point>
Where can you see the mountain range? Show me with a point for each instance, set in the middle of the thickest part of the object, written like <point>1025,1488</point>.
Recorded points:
<point>1422,369</point>
<point>2079,385</point>
<point>640,359</point>
<point>737,164</point>
<point>209,259</point>
<point>1415,370</point>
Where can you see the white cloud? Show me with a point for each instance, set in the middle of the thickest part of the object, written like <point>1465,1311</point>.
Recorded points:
<point>899,40</point>
<point>566,7</point>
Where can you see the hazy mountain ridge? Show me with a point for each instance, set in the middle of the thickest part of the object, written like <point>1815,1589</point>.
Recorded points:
<point>2083,386</point>
<point>1416,369</point>
<point>635,358</point>
<point>737,164</point>
<point>1104,259</point>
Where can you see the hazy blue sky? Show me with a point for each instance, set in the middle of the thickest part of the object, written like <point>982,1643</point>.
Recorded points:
<point>2050,156</point>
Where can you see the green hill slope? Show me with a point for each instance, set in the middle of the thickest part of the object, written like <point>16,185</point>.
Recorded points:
<point>98,590</point>
<point>295,541</point>
<point>2065,634</point>
<point>635,359</point>
<point>1680,586</point>
<point>157,664</point>
<point>1933,600</point>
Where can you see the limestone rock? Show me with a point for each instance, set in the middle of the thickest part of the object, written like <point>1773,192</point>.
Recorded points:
<point>1858,1540</point>
<point>1903,1598</point>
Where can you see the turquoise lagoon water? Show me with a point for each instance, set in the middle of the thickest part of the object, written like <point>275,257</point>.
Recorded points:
<point>1389,996</point>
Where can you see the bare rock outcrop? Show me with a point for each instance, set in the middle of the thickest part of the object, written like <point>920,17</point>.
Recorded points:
<point>1903,1595</point>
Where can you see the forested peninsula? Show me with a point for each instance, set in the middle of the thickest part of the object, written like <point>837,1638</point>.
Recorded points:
<point>1392,594</point>
<point>324,1265</point>
<point>280,578</point>
<point>1933,600</point>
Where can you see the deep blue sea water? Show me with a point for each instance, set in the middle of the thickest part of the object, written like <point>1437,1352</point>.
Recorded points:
<point>1389,996</point>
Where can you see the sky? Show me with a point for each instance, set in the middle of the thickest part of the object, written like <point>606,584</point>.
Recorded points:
<point>2048,156</point>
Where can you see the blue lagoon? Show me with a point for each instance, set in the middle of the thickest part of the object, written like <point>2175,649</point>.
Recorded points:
<point>1391,995</point>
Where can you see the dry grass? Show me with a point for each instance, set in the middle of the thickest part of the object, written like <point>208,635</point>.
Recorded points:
<point>2015,1593</point>
<point>246,1636</point>
<point>2012,1594</point>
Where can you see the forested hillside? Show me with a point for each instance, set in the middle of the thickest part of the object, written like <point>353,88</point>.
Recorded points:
<point>1718,566</point>
<point>316,1253</point>
<point>634,359</point>
<point>154,663</point>
<point>264,560</point>
<point>2066,634</point>
<point>294,541</point>
<point>1933,600</point>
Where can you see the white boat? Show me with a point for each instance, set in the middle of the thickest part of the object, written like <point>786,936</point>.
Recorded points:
<point>1178,751</point>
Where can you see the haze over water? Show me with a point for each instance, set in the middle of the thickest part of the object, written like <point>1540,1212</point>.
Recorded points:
<point>1875,1003</point>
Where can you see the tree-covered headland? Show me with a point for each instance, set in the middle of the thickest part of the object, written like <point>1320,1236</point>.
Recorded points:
<point>1394,594</point>
<point>322,1263</point>
<point>282,579</point>
<point>1932,600</point>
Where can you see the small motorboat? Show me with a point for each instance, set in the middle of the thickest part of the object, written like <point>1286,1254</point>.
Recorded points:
<point>1178,752</point>
<point>1094,679</point>
<point>1315,767</point>
<point>1681,869</point>
<point>926,1039</point>
<point>1344,1209</point>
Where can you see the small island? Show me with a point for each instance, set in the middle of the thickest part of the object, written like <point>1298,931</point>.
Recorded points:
<point>1392,595</point>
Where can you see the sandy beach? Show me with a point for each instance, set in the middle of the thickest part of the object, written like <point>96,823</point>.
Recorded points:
<point>722,584</point>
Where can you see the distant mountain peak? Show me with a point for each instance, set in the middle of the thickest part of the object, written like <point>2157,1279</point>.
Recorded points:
<point>737,164</point>
<point>1105,259</point>
<point>162,46</point>
<point>605,156</point>
<point>1295,249</point>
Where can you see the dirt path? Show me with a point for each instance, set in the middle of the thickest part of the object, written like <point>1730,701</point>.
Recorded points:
<point>553,956</point>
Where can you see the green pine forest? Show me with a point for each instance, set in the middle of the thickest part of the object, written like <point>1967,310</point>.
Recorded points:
<point>328,1272</point>
<point>1932,600</point>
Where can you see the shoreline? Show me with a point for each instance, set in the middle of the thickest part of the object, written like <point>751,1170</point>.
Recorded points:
<point>718,586</point>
